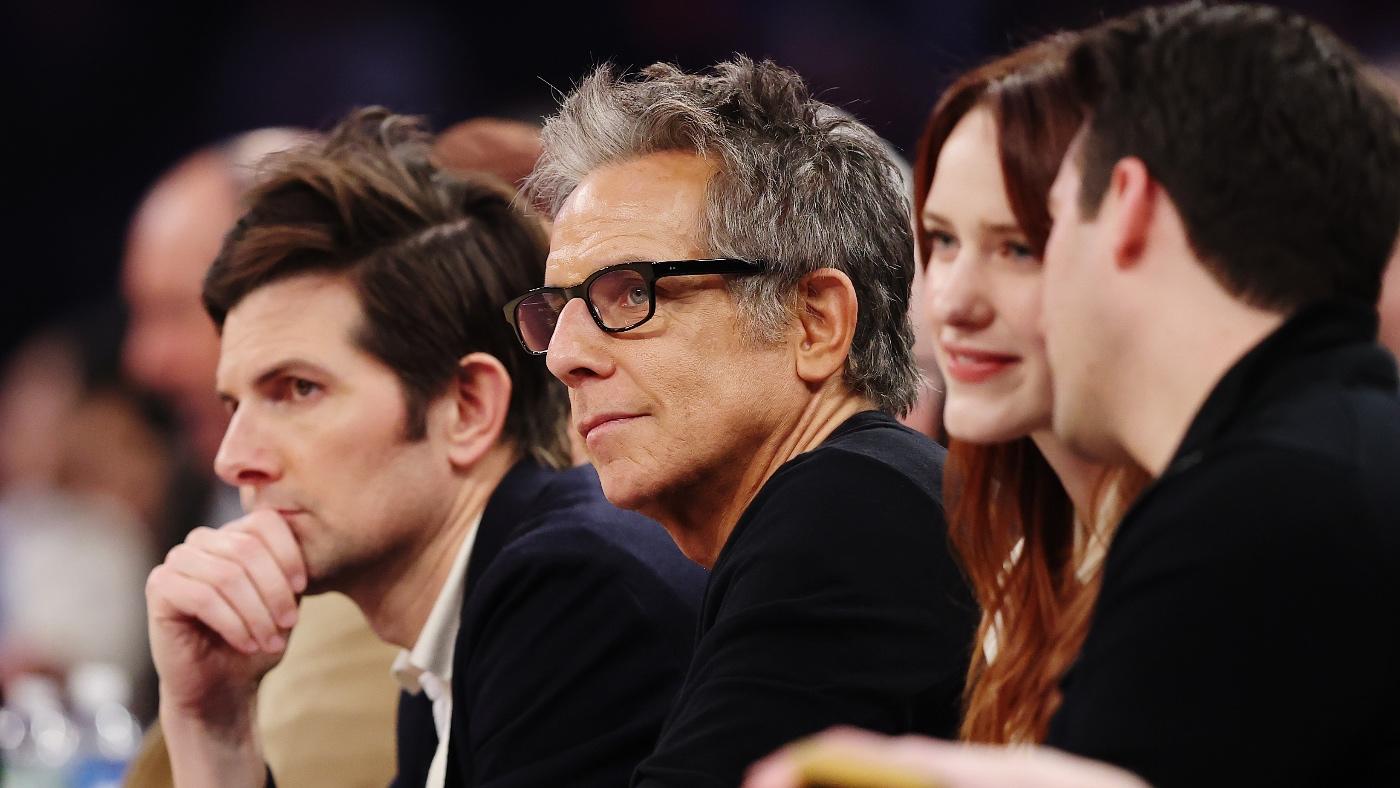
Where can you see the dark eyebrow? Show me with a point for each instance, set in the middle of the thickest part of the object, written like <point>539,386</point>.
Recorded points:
<point>286,367</point>
<point>277,370</point>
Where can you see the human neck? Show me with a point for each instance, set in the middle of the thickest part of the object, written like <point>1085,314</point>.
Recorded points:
<point>1179,362</point>
<point>702,515</point>
<point>397,595</point>
<point>1079,476</point>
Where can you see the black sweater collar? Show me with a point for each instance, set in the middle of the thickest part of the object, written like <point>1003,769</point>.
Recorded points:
<point>1327,341</point>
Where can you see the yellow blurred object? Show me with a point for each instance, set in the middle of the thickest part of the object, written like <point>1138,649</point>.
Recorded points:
<point>822,765</point>
<point>151,766</point>
<point>326,713</point>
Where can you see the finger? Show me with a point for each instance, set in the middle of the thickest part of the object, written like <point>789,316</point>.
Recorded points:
<point>172,594</point>
<point>277,535</point>
<point>230,581</point>
<point>775,771</point>
<point>257,561</point>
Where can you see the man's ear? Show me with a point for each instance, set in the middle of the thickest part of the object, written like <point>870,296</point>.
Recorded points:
<point>480,399</point>
<point>1134,194</point>
<point>826,313</point>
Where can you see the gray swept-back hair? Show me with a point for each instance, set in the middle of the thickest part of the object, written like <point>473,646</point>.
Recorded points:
<point>798,184</point>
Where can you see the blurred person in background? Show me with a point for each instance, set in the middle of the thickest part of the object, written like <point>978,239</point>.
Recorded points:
<point>41,383</point>
<point>507,149</point>
<point>327,711</point>
<point>85,467</point>
<point>170,347</point>
<point>391,440</point>
<point>727,300</point>
<point>1389,305</point>
<point>926,415</point>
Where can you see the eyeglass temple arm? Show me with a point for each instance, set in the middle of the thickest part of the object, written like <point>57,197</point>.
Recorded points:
<point>722,265</point>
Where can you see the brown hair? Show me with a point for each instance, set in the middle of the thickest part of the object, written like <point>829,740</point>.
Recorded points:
<point>1035,605</point>
<point>432,256</point>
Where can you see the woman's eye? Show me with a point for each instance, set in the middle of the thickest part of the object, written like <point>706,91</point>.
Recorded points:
<point>636,296</point>
<point>1018,251</point>
<point>302,388</point>
<point>942,245</point>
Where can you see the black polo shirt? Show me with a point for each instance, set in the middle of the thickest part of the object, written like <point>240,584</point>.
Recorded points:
<point>834,601</point>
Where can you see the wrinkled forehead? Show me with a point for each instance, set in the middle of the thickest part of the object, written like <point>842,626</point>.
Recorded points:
<point>648,208</point>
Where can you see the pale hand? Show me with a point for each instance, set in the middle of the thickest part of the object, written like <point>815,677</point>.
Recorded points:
<point>849,758</point>
<point>219,611</point>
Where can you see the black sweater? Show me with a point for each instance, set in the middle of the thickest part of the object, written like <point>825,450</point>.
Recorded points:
<point>1248,629</point>
<point>834,601</point>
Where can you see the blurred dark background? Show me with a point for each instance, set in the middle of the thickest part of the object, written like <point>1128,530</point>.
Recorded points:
<point>110,94</point>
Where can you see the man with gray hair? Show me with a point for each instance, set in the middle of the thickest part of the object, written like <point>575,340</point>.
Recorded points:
<point>743,259</point>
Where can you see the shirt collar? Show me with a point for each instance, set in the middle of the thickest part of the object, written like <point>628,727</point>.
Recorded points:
<point>432,652</point>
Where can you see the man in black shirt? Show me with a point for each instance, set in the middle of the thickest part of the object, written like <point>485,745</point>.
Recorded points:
<point>727,295</point>
<point>1221,228</point>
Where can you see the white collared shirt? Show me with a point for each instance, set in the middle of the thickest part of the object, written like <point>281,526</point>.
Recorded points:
<point>428,667</point>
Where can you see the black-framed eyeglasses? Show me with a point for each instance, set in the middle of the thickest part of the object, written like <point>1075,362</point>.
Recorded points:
<point>620,297</point>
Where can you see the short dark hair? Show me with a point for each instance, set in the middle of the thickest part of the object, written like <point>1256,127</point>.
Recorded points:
<point>432,256</point>
<point>1281,154</point>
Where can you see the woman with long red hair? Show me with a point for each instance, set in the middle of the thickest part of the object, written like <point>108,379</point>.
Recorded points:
<point>1029,519</point>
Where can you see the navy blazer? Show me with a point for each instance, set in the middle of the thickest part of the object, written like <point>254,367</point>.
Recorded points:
<point>578,622</point>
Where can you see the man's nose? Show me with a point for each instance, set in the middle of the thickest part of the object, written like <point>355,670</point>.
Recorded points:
<point>578,348</point>
<point>247,456</point>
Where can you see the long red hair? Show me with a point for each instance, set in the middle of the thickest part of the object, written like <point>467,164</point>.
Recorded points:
<point>1035,605</point>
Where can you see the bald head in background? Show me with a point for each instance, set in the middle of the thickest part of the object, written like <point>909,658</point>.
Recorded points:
<point>507,149</point>
<point>171,347</point>
<point>1389,304</point>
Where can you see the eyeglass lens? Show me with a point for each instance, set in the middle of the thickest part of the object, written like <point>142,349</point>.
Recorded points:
<point>620,299</point>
